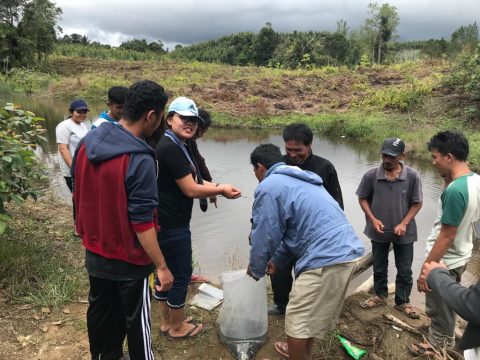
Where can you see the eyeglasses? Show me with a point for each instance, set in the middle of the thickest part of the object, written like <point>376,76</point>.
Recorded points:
<point>82,111</point>
<point>188,119</point>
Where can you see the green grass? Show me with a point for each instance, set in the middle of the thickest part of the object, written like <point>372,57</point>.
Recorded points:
<point>40,259</point>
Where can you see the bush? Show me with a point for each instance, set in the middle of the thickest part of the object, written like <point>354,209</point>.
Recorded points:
<point>20,170</point>
<point>402,98</point>
<point>465,76</point>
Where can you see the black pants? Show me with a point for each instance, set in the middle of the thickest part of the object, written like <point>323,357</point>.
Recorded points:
<point>119,309</point>
<point>282,285</point>
<point>69,182</point>
<point>403,263</point>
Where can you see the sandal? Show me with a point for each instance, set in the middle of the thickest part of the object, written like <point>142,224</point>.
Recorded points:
<point>188,320</point>
<point>419,349</point>
<point>373,302</point>
<point>408,310</point>
<point>192,333</point>
<point>281,347</point>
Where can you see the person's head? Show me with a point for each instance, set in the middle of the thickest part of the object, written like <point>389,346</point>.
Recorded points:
<point>448,148</point>
<point>263,157</point>
<point>145,104</point>
<point>116,99</point>
<point>298,142</point>
<point>205,125</point>
<point>183,118</point>
<point>393,150</point>
<point>78,110</point>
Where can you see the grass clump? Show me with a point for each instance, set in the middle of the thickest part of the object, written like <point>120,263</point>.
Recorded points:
<point>41,261</point>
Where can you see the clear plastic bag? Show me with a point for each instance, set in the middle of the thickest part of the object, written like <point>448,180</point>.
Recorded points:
<point>243,318</point>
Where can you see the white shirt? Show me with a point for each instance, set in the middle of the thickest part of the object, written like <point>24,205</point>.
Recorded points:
<point>70,133</point>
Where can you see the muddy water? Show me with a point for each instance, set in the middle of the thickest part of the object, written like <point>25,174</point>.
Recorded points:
<point>220,235</point>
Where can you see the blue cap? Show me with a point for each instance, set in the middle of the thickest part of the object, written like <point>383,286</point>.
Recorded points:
<point>79,105</point>
<point>185,107</point>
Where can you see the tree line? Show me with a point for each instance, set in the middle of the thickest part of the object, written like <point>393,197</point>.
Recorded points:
<point>28,31</point>
<point>374,42</point>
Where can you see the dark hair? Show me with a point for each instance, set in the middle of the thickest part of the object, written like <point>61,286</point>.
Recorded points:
<point>267,155</point>
<point>143,96</point>
<point>449,142</point>
<point>116,94</point>
<point>207,119</point>
<point>298,132</point>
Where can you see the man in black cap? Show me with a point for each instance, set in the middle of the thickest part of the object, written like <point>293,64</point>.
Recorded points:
<point>390,196</point>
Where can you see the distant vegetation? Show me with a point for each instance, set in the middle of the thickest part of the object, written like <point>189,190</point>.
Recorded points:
<point>28,35</point>
<point>31,52</point>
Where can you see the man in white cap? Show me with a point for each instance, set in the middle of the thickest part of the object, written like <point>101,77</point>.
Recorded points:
<point>390,196</point>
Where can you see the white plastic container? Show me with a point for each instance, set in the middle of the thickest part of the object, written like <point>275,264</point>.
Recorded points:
<point>243,318</point>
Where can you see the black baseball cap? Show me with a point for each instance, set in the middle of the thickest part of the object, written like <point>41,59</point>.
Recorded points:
<point>393,147</point>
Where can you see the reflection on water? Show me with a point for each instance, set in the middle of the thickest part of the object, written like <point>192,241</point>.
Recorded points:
<point>220,235</point>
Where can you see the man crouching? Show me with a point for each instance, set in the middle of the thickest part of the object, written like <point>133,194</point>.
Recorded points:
<point>295,217</point>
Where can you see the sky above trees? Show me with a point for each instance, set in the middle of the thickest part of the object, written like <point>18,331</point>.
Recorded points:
<point>191,21</point>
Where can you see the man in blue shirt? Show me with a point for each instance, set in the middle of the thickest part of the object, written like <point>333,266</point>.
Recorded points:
<point>295,217</point>
<point>116,98</point>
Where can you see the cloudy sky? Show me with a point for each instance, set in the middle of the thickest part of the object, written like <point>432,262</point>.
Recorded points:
<point>190,21</point>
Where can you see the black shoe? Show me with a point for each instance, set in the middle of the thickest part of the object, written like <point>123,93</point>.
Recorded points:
<point>275,310</point>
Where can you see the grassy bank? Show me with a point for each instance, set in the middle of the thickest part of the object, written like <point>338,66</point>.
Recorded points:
<point>41,261</point>
<point>368,104</point>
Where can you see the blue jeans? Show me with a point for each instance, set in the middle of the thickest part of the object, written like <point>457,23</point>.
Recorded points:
<point>403,262</point>
<point>176,246</point>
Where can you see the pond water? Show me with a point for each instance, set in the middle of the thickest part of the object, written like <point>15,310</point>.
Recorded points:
<point>220,236</point>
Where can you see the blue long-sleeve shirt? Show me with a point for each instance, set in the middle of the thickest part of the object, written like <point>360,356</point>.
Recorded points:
<point>294,216</point>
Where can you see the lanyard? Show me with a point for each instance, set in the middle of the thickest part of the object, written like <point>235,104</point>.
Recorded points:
<point>177,141</point>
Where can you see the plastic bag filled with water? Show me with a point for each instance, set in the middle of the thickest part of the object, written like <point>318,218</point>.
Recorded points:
<point>243,318</point>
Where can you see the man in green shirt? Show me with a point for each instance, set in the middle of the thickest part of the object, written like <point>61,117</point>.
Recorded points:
<point>460,206</point>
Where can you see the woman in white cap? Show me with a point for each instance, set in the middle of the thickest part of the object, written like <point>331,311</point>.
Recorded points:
<point>177,187</point>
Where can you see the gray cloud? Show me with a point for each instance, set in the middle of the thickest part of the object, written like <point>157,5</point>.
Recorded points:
<point>191,21</point>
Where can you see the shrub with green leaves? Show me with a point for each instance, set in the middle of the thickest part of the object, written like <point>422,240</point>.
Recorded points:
<point>20,169</point>
<point>465,76</point>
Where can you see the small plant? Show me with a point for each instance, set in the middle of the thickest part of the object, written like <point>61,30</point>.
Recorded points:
<point>20,170</point>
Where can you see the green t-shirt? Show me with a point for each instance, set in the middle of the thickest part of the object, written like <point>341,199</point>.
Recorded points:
<point>460,207</point>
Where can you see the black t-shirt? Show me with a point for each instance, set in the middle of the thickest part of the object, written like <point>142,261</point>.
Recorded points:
<point>116,270</point>
<point>325,169</point>
<point>174,208</point>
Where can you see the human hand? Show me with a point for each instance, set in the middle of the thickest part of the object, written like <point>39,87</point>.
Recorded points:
<point>230,192</point>
<point>422,285</point>
<point>400,229</point>
<point>165,278</point>
<point>378,226</point>
<point>271,268</point>
<point>213,200</point>
<point>427,267</point>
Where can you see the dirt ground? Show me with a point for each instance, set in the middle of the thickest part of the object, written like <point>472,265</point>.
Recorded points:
<point>32,333</point>
<point>48,333</point>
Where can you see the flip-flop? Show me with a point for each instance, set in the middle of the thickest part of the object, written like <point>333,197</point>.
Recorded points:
<point>408,310</point>
<point>419,349</point>
<point>188,320</point>
<point>198,279</point>
<point>281,347</point>
<point>188,335</point>
<point>373,302</point>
